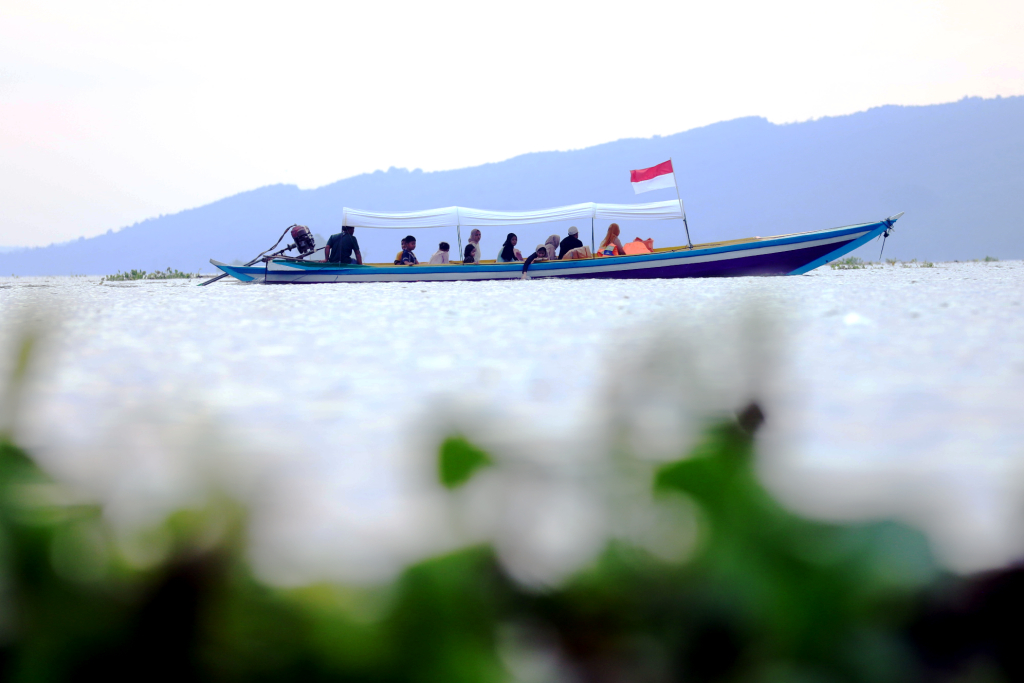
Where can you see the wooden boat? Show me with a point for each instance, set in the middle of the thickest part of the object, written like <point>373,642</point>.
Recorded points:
<point>792,254</point>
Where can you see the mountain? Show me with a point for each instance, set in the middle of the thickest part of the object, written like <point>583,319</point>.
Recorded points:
<point>956,169</point>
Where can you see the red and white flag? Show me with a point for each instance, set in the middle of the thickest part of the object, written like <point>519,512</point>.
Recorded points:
<point>654,178</point>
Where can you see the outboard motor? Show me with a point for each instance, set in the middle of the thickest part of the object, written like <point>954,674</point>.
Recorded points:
<point>303,239</point>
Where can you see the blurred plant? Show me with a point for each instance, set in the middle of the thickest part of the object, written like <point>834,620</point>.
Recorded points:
<point>762,595</point>
<point>458,460</point>
<point>989,259</point>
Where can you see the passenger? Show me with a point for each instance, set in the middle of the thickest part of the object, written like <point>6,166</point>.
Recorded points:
<point>509,253</point>
<point>469,255</point>
<point>474,239</point>
<point>540,254</point>
<point>398,256</point>
<point>407,257</point>
<point>441,255</point>
<point>610,245</point>
<point>551,246</point>
<point>569,243</point>
<point>340,247</point>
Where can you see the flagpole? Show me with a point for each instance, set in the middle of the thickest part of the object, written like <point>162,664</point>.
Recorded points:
<point>675,181</point>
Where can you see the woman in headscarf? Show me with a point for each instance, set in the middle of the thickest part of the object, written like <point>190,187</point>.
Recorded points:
<point>474,239</point>
<point>610,245</point>
<point>551,246</point>
<point>469,255</point>
<point>508,252</point>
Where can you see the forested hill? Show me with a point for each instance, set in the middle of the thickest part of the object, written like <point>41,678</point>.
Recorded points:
<point>956,169</point>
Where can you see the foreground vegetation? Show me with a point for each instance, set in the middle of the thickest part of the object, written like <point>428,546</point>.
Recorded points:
<point>761,595</point>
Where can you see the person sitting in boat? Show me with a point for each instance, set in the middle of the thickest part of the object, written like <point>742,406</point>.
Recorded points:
<point>509,253</point>
<point>539,254</point>
<point>610,245</point>
<point>474,239</point>
<point>551,246</point>
<point>572,241</point>
<point>341,246</point>
<point>441,255</point>
<point>406,257</point>
<point>469,255</point>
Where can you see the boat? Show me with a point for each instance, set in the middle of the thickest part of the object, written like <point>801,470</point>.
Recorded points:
<point>789,254</point>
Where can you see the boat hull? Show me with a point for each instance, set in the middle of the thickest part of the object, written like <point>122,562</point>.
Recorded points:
<point>242,273</point>
<point>782,255</point>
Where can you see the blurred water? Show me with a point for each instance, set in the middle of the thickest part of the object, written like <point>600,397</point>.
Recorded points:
<point>893,384</point>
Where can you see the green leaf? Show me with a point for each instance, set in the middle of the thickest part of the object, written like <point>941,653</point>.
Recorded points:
<point>458,460</point>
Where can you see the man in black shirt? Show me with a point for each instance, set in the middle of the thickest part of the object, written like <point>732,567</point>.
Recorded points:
<point>340,247</point>
<point>569,243</point>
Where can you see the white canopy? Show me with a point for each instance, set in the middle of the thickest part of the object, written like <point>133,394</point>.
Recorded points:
<point>460,215</point>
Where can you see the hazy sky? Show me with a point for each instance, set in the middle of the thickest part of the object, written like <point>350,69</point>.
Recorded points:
<point>111,112</point>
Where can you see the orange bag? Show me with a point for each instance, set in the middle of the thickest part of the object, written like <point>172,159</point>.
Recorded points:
<point>638,246</point>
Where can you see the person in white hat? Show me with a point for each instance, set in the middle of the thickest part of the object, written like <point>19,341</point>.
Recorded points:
<point>569,243</point>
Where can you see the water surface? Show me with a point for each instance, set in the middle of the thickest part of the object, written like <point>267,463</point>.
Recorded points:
<point>888,383</point>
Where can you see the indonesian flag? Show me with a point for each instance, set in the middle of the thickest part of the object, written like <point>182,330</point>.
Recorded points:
<point>654,178</point>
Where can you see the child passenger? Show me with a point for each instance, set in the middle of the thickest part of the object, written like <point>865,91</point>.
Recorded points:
<point>406,257</point>
<point>539,254</point>
<point>441,255</point>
